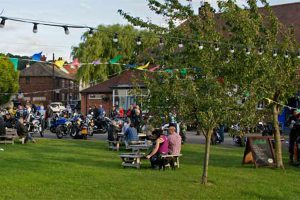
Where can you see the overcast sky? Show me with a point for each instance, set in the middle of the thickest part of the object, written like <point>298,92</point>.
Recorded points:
<point>18,38</point>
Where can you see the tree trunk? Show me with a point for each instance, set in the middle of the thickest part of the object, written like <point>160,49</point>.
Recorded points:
<point>278,146</point>
<point>206,156</point>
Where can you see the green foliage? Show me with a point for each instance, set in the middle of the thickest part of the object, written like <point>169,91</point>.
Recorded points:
<point>101,46</point>
<point>9,80</point>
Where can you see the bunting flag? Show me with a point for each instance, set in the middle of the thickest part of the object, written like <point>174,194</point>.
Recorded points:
<point>130,66</point>
<point>75,62</point>
<point>169,70</point>
<point>15,62</point>
<point>144,66</point>
<point>96,62</point>
<point>183,72</point>
<point>59,63</point>
<point>37,56</point>
<point>115,59</point>
<point>154,68</point>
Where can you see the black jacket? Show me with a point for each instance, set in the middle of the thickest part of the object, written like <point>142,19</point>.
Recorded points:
<point>21,129</point>
<point>2,127</point>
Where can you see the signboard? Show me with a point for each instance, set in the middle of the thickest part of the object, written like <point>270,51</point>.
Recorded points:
<point>259,150</point>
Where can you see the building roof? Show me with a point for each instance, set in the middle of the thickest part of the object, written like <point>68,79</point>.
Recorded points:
<point>44,70</point>
<point>289,15</point>
<point>126,78</point>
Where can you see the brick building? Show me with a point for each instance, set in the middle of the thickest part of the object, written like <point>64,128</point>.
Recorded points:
<point>40,85</point>
<point>115,91</point>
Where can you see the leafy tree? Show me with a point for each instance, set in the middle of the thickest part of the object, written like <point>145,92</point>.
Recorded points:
<point>9,80</point>
<point>101,46</point>
<point>221,85</point>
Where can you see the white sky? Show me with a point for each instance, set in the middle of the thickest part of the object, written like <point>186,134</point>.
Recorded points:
<point>18,38</point>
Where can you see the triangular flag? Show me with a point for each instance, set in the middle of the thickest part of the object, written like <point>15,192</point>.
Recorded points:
<point>169,70</point>
<point>131,66</point>
<point>75,62</point>
<point>115,59</point>
<point>144,66</point>
<point>59,63</point>
<point>37,56</point>
<point>15,62</point>
<point>96,62</point>
<point>183,72</point>
<point>154,68</point>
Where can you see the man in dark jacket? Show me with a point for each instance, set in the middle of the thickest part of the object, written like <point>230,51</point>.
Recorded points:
<point>22,132</point>
<point>2,126</point>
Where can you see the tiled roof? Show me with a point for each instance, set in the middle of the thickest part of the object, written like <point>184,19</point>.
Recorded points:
<point>44,70</point>
<point>128,78</point>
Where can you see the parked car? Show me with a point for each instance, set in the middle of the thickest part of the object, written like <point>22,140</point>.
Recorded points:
<point>56,107</point>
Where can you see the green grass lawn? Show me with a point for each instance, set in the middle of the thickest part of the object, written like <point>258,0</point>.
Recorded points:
<point>69,169</point>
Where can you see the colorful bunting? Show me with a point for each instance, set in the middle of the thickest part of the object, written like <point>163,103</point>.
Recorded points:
<point>130,66</point>
<point>169,70</point>
<point>15,62</point>
<point>115,59</point>
<point>59,63</point>
<point>75,62</point>
<point>37,56</point>
<point>154,68</point>
<point>144,66</point>
<point>97,62</point>
<point>183,72</point>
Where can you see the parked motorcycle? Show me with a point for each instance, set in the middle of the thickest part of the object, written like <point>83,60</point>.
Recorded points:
<point>79,128</point>
<point>99,125</point>
<point>34,124</point>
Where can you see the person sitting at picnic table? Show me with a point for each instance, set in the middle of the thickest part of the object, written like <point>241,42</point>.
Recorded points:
<point>131,134</point>
<point>174,140</point>
<point>2,128</point>
<point>112,132</point>
<point>22,132</point>
<point>9,120</point>
<point>161,148</point>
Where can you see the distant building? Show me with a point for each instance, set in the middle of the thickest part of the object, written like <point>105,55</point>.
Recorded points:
<point>38,84</point>
<point>114,91</point>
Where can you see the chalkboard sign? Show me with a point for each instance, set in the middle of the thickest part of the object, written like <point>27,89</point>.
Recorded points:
<point>259,150</point>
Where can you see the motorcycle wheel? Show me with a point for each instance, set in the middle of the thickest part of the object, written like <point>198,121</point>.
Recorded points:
<point>73,133</point>
<point>52,129</point>
<point>59,133</point>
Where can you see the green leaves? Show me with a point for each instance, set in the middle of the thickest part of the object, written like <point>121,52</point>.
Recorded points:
<point>9,80</point>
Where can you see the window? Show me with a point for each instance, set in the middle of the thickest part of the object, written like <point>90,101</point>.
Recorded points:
<point>96,96</point>
<point>27,79</point>
<point>126,97</point>
<point>62,83</point>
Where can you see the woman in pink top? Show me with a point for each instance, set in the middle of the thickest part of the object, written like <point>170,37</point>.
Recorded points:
<point>161,147</point>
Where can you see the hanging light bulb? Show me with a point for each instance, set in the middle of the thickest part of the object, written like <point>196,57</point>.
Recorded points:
<point>260,51</point>
<point>217,48</point>
<point>161,41</point>
<point>200,45</point>
<point>180,45</point>
<point>231,49</point>
<point>2,24</point>
<point>286,54</point>
<point>91,31</point>
<point>35,28</point>
<point>67,32</point>
<point>248,51</point>
<point>116,38</point>
<point>138,41</point>
<point>274,53</point>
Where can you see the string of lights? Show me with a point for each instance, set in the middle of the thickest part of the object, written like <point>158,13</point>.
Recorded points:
<point>201,43</point>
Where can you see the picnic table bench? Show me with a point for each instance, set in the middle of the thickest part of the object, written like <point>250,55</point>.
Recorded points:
<point>175,156</point>
<point>9,137</point>
<point>131,159</point>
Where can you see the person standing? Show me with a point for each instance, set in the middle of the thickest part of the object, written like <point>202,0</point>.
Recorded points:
<point>121,112</point>
<point>113,113</point>
<point>174,140</point>
<point>101,112</point>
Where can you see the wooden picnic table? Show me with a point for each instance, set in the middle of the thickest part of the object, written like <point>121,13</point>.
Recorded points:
<point>9,137</point>
<point>138,147</point>
<point>132,159</point>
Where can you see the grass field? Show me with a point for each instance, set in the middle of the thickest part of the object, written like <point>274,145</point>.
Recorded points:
<point>69,169</point>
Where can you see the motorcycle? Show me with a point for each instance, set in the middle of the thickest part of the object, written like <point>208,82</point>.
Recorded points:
<point>216,137</point>
<point>99,125</point>
<point>34,124</point>
<point>79,129</point>
<point>63,129</point>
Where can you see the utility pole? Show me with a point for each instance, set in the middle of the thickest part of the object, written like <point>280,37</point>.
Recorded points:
<point>53,78</point>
